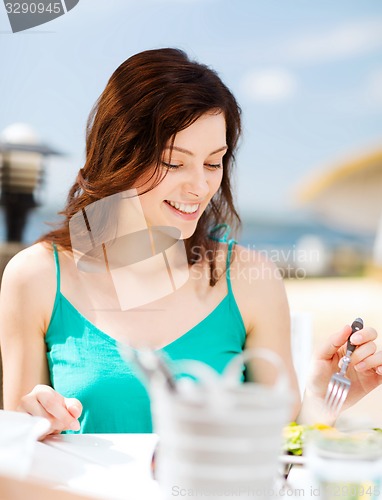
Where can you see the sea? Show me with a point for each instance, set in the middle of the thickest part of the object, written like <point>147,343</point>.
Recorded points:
<point>294,241</point>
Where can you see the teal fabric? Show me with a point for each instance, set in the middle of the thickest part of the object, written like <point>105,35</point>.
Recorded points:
<point>85,362</point>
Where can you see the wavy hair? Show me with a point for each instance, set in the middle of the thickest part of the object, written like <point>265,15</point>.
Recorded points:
<point>150,98</point>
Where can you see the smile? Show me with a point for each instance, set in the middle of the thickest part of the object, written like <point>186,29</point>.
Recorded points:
<point>184,207</point>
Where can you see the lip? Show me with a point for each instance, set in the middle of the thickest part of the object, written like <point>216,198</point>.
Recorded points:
<point>187,217</point>
<point>189,202</point>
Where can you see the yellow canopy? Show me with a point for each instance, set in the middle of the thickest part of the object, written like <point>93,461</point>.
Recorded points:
<point>348,194</point>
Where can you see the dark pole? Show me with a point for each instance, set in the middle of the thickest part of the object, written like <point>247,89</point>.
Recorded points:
<point>17,199</point>
<point>16,209</point>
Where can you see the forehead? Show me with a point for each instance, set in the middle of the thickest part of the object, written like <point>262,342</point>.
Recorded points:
<point>207,132</point>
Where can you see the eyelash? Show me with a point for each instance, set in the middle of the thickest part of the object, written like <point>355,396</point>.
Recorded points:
<point>171,166</point>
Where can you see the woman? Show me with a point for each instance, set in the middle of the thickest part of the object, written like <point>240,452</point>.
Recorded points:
<point>165,129</point>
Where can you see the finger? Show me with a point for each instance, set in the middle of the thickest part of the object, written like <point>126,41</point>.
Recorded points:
<point>362,352</point>
<point>328,350</point>
<point>54,404</point>
<point>73,406</point>
<point>373,362</point>
<point>29,404</point>
<point>364,335</point>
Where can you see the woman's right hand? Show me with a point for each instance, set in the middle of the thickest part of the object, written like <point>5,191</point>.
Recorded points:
<point>62,413</point>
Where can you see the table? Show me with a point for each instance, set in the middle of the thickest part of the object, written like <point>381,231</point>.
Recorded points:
<point>105,466</point>
<point>115,467</point>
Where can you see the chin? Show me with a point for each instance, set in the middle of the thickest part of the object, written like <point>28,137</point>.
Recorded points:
<point>187,233</point>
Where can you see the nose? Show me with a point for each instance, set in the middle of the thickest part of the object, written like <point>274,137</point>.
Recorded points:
<point>197,183</point>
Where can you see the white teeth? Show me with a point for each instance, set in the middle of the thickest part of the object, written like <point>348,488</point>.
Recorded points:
<point>183,207</point>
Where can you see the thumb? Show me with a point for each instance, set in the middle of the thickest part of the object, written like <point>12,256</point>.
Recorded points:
<point>329,349</point>
<point>73,406</point>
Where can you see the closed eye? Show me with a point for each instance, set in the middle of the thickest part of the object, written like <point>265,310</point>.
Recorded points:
<point>213,165</point>
<point>173,166</point>
<point>170,165</point>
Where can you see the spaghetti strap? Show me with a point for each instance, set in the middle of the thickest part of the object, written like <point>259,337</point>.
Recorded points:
<point>57,263</point>
<point>231,244</point>
<point>221,233</point>
<point>58,286</point>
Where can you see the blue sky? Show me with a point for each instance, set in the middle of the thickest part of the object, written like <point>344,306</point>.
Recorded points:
<point>307,74</point>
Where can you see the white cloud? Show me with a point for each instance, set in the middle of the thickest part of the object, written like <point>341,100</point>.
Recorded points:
<point>346,40</point>
<point>269,85</point>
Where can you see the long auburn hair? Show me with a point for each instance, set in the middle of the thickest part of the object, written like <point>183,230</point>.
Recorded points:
<point>148,99</point>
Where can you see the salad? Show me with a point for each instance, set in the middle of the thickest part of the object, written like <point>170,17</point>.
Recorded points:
<point>294,436</point>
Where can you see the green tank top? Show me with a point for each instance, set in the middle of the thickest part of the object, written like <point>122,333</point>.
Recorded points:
<point>85,362</point>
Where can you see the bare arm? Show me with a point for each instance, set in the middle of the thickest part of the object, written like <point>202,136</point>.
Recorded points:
<point>26,301</point>
<point>265,309</point>
<point>261,296</point>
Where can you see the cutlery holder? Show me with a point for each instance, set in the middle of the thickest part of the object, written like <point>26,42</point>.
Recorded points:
<point>219,436</point>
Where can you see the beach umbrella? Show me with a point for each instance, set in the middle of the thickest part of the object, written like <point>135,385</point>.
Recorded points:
<point>348,195</point>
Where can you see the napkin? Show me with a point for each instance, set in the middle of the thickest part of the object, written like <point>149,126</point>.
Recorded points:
<point>18,434</point>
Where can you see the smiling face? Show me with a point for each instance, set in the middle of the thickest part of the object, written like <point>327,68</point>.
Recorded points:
<point>192,171</point>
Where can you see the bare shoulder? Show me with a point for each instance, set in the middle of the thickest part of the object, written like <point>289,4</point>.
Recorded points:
<point>29,279</point>
<point>258,286</point>
<point>34,263</point>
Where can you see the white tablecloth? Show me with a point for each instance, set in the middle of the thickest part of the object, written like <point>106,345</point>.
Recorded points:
<point>116,467</point>
<point>107,466</point>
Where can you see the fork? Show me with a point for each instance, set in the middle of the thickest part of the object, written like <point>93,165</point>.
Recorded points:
<point>339,384</point>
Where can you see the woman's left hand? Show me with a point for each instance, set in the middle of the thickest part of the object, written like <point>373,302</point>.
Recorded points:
<point>364,370</point>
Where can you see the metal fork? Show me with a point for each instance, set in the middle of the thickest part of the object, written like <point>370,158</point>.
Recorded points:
<point>339,384</point>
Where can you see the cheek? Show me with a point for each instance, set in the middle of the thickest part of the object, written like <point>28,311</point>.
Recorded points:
<point>147,202</point>
<point>151,202</point>
<point>216,181</point>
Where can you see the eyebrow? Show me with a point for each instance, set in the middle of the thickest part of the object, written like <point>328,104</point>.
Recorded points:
<point>181,150</point>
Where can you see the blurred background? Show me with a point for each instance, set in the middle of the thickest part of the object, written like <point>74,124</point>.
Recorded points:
<point>308,76</point>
